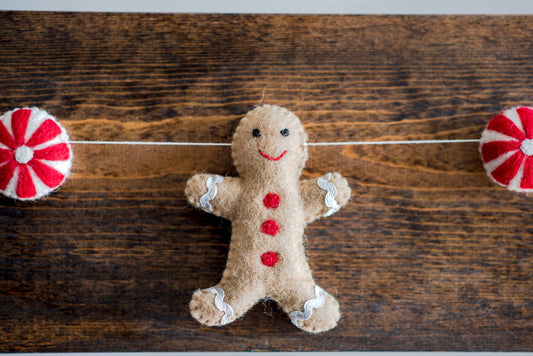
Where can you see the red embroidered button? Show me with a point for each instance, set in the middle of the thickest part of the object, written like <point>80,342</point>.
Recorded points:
<point>269,259</point>
<point>270,227</point>
<point>271,200</point>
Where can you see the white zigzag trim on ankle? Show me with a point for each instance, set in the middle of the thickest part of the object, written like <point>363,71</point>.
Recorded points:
<point>222,305</point>
<point>311,304</point>
<point>325,184</point>
<point>211,185</point>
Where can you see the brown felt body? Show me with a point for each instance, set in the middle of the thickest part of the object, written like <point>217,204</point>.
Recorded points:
<point>246,279</point>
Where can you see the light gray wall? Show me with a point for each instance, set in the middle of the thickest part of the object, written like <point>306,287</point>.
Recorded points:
<point>282,6</point>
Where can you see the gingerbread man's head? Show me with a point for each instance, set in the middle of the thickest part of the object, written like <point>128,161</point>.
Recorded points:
<point>269,141</point>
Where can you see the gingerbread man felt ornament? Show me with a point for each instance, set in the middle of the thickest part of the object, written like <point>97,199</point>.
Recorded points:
<point>269,207</point>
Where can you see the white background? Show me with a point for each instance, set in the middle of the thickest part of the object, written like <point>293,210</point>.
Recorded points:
<point>282,6</point>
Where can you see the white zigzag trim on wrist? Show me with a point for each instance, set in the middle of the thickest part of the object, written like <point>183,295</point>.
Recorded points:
<point>311,304</point>
<point>211,185</point>
<point>222,305</point>
<point>325,184</point>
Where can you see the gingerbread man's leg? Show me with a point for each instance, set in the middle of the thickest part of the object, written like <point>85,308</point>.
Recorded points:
<point>225,302</point>
<point>309,307</point>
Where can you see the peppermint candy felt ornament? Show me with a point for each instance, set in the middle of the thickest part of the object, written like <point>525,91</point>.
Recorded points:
<point>269,207</point>
<point>506,148</point>
<point>35,156</point>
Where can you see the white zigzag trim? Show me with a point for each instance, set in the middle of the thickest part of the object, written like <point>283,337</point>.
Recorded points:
<point>211,185</point>
<point>222,305</point>
<point>311,304</point>
<point>325,184</point>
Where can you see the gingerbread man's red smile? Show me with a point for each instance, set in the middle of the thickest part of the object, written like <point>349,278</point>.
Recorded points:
<point>272,158</point>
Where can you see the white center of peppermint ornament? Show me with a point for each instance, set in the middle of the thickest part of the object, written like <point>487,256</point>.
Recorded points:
<point>527,147</point>
<point>23,154</point>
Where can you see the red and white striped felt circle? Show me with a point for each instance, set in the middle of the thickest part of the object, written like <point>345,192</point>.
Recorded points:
<point>35,156</point>
<point>506,147</point>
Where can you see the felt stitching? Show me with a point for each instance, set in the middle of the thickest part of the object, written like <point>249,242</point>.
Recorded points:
<point>221,305</point>
<point>325,184</point>
<point>211,185</point>
<point>270,227</point>
<point>309,305</point>
<point>271,201</point>
<point>269,259</point>
<point>272,158</point>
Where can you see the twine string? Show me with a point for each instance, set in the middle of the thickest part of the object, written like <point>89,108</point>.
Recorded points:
<point>341,143</point>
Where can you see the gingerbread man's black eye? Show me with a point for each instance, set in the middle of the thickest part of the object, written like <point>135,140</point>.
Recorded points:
<point>284,132</point>
<point>256,133</point>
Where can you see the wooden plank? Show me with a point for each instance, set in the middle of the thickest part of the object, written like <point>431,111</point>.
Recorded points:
<point>110,261</point>
<point>428,255</point>
<point>154,76</point>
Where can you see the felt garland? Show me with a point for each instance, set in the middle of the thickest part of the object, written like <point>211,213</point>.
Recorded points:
<point>35,156</point>
<point>506,148</point>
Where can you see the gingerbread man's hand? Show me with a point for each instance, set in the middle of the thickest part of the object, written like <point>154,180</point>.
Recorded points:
<point>213,193</point>
<point>324,196</point>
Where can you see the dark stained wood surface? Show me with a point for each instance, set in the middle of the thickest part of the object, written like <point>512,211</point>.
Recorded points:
<point>428,255</point>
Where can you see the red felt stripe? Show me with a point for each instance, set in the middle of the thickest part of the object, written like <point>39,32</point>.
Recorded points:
<point>502,124</point>
<point>59,152</point>
<point>527,178</point>
<point>25,186</point>
<point>6,173</point>
<point>6,138</point>
<point>47,174</point>
<point>494,149</point>
<point>508,169</point>
<point>526,116</point>
<point>46,132</point>
<point>19,124</point>
<point>5,155</point>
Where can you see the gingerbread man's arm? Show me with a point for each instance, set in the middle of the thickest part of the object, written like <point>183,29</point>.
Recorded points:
<point>324,196</point>
<point>213,193</point>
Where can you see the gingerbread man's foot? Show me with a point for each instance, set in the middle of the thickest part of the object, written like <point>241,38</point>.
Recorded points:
<point>319,314</point>
<point>209,308</point>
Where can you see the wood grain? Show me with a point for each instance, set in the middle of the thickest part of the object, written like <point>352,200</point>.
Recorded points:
<point>428,255</point>
<point>152,77</point>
